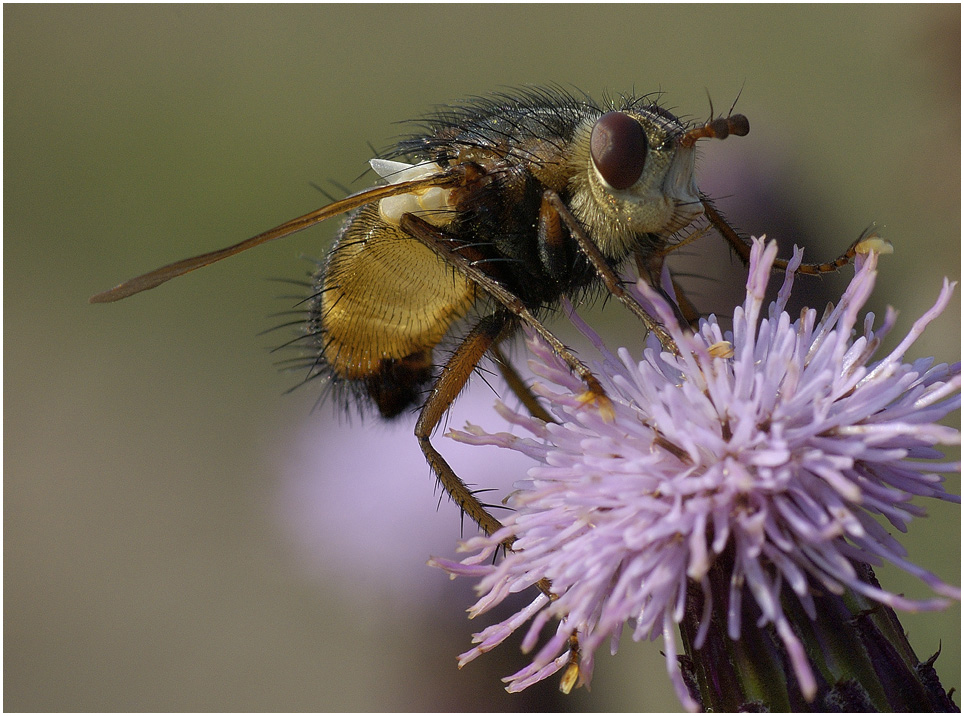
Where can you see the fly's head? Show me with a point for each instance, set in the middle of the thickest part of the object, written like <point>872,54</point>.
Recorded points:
<point>634,173</point>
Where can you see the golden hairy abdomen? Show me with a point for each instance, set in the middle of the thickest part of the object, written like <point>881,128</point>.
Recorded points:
<point>386,296</point>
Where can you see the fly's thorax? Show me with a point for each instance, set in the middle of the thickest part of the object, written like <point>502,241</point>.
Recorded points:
<point>630,176</point>
<point>382,297</point>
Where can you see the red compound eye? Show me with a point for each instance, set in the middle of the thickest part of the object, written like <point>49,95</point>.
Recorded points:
<point>618,149</point>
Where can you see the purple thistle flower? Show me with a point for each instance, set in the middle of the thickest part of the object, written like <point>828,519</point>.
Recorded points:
<point>768,449</point>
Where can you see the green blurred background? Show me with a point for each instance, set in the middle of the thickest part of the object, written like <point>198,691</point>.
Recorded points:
<point>150,562</point>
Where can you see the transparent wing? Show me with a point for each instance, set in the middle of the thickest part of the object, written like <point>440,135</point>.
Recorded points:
<point>178,268</point>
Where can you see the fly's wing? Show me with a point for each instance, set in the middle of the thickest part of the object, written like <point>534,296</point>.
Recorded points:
<point>156,277</point>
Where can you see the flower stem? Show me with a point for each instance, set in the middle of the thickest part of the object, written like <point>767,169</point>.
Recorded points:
<point>858,652</point>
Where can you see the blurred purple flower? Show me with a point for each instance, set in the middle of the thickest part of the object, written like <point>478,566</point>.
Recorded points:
<point>776,444</point>
<point>347,490</point>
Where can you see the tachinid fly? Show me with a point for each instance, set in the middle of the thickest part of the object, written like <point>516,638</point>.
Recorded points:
<point>487,217</point>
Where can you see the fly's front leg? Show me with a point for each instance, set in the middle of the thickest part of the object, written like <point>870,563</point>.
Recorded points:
<point>742,247</point>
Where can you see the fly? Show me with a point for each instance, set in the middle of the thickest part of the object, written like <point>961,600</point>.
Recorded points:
<point>494,212</point>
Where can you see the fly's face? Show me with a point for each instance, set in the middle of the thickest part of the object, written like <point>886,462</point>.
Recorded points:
<point>633,175</point>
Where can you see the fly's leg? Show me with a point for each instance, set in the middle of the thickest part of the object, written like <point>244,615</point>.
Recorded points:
<point>742,247</point>
<point>553,206</point>
<point>453,378</point>
<point>444,246</point>
<point>651,267</point>
<point>458,370</point>
<point>455,374</point>
<point>518,386</point>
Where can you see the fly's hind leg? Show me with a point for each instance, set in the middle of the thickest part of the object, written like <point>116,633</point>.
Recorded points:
<point>457,371</point>
<point>455,374</point>
<point>470,351</point>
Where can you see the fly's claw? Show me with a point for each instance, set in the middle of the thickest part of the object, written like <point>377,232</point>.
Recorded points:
<point>571,677</point>
<point>872,241</point>
<point>602,402</point>
<point>721,349</point>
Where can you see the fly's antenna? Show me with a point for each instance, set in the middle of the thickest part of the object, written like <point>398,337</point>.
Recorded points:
<point>720,128</point>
